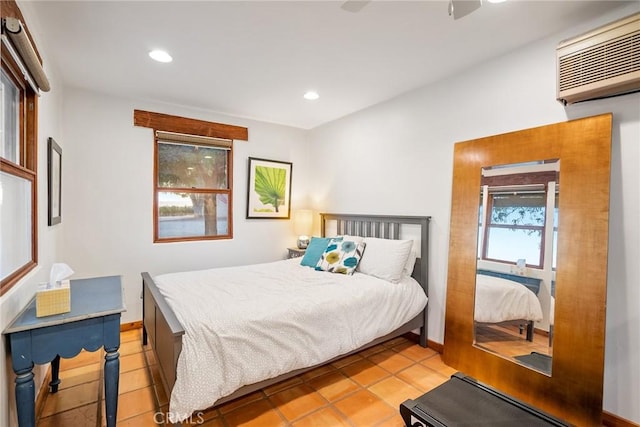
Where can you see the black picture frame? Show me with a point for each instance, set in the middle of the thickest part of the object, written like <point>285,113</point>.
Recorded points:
<point>278,176</point>
<point>54,166</point>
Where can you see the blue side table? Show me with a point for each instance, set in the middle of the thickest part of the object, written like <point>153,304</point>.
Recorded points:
<point>93,322</point>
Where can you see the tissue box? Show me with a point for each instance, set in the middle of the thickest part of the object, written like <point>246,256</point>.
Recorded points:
<point>53,300</point>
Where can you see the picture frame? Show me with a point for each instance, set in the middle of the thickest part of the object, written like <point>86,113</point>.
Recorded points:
<point>269,189</point>
<point>54,166</point>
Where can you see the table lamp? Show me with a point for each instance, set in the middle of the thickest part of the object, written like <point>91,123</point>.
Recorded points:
<point>302,222</point>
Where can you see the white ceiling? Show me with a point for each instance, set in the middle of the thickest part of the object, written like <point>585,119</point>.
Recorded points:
<point>256,59</point>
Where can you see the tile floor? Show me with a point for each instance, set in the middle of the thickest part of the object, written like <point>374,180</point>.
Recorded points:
<point>364,389</point>
<point>508,341</point>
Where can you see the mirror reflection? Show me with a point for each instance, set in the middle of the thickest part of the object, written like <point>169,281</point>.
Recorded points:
<point>516,262</point>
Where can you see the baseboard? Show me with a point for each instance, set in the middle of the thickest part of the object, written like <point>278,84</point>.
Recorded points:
<point>431,344</point>
<point>611,420</point>
<point>130,326</point>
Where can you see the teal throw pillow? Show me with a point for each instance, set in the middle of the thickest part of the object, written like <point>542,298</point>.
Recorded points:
<point>314,251</point>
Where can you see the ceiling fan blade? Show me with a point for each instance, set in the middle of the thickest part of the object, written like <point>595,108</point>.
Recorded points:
<point>461,8</point>
<point>354,5</point>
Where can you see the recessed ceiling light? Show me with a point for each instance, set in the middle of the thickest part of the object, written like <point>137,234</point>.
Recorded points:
<point>160,56</point>
<point>311,95</point>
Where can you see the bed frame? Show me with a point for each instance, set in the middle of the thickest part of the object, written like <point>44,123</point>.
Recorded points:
<point>163,331</point>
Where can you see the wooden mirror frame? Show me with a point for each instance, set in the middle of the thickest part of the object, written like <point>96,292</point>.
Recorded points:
<point>574,390</point>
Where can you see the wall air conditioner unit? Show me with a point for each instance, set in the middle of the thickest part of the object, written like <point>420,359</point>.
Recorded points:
<point>603,62</point>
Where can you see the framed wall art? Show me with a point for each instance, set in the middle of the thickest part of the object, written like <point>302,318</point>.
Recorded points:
<point>54,164</point>
<point>269,189</point>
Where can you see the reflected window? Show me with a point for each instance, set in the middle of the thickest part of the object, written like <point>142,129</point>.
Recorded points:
<point>512,216</point>
<point>515,227</point>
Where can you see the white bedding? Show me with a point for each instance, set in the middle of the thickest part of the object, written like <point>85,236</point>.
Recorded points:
<point>247,324</point>
<point>499,300</point>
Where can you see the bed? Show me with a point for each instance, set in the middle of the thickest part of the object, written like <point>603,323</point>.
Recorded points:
<point>502,297</point>
<point>299,328</point>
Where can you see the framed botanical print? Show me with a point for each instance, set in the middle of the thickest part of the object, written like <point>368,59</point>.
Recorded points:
<point>269,189</point>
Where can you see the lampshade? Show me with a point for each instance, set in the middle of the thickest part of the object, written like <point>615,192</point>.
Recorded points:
<point>302,223</point>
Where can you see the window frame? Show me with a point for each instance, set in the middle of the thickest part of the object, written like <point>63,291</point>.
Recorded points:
<point>490,225</point>
<point>26,168</point>
<point>526,178</point>
<point>161,122</point>
<point>158,189</point>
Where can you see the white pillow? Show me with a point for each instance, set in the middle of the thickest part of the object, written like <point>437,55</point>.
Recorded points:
<point>385,258</point>
<point>410,264</point>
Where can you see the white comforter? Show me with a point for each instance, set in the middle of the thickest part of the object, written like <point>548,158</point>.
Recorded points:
<point>499,300</point>
<point>247,324</point>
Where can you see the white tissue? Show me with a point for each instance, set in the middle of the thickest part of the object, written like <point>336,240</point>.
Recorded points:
<point>59,272</point>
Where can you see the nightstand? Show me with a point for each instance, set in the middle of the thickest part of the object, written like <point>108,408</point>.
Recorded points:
<point>295,252</point>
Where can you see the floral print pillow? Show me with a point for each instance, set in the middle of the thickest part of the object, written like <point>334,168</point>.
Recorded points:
<point>341,256</point>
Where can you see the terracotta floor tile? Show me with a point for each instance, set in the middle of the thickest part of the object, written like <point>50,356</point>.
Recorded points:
<point>134,403</point>
<point>421,377</point>
<point>346,360</point>
<point>258,414</point>
<point>414,351</point>
<point>438,365</point>
<point>131,362</point>
<point>161,394</point>
<point>396,341</point>
<point>131,335</point>
<point>325,417</point>
<point>207,414</point>
<point>148,419</point>
<point>395,421</point>
<point>82,359</point>
<point>297,401</point>
<point>80,375</point>
<point>70,398</point>
<point>133,380</point>
<point>364,372</point>
<point>241,401</point>
<point>333,386</point>
<point>282,385</point>
<point>391,361</point>
<point>394,391</point>
<point>372,350</point>
<point>130,347</point>
<point>364,408</point>
<point>324,369</point>
<point>82,416</point>
<point>329,395</point>
<point>151,357</point>
<point>216,422</point>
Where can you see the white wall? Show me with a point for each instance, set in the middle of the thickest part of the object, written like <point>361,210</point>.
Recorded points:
<point>397,158</point>
<point>11,303</point>
<point>108,195</point>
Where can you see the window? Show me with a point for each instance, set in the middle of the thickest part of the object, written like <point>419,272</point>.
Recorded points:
<point>193,176</point>
<point>18,174</point>
<point>193,191</point>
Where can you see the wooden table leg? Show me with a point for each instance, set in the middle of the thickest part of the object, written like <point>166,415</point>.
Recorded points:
<point>111,375</point>
<point>25,397</point>
<point>55,374</point>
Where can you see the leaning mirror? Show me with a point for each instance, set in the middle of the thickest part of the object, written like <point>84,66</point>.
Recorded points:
<point>515,269</point>
<point>569,198</point>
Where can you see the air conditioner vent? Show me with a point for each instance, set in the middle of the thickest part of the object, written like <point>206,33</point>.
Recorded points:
<point>603,62</point>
